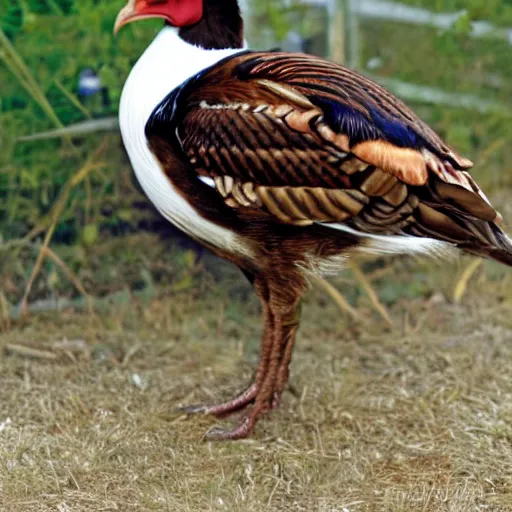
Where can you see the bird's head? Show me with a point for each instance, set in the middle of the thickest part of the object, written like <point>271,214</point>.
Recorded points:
<point>210,24</point>
<point>179,13</point>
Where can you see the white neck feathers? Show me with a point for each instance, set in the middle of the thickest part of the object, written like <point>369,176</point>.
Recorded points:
<point>165,65</point>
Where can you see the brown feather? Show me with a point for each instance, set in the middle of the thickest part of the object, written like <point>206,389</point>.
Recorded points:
<point>406,164</point>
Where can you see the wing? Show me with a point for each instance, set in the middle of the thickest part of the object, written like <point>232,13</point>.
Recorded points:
<point>301,141</point>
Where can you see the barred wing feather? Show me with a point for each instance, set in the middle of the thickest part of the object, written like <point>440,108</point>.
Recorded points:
<point>301,141</point>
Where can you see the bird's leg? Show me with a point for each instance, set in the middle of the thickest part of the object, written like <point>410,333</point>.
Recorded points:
<point>275,378</point>
<point>247,396</point>
<point>291,326</point>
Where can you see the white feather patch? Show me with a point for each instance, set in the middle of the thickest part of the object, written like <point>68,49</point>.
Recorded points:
<point>324,266</point>
<point>225,106</point>
<point>397,244</point>
<point>208,181</point>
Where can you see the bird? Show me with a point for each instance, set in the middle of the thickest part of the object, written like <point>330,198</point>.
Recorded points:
<point>286,165</point>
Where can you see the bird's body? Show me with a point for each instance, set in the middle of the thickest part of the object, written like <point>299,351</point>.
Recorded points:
<point>286,165</point>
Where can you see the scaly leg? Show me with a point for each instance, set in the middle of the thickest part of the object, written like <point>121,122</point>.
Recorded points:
<point>272,386</point>
<point>246,397</point>
<point>291,326</point>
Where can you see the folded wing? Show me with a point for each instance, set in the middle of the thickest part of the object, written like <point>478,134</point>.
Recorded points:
<point>299,141</point>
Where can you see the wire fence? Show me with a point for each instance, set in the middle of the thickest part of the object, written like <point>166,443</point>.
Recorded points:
<point>388,11</point>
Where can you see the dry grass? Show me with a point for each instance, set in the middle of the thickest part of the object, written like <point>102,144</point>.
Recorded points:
<point>414,419</point>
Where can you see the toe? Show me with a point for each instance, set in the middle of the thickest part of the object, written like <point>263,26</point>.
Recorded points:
<point>193,409</point>
<point>241,431</point>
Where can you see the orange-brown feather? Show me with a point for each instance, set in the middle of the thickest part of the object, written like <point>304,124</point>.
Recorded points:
<point>404,163</point>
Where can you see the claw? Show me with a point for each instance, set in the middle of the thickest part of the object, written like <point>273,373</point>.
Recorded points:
<point>193,409</point>
<point>224,409</point>
<point>241,431</point>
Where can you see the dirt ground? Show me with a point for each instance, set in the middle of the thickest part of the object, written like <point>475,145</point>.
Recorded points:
<point>417,418</point>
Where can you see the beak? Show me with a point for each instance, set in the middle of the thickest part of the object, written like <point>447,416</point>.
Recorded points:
<point>126,14</point>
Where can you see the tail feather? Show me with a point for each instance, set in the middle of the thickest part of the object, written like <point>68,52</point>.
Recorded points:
<point>467,220</point>
<point>433,220</point>
<point>502,255</point>
<point>500,251</point>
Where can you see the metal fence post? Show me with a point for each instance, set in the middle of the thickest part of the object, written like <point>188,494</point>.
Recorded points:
<point>336,31</point>
<point>352,34</point>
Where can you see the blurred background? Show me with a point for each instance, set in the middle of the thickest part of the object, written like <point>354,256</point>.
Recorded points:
<point>72,216</point>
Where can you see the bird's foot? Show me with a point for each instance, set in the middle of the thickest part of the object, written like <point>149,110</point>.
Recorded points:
<point>242,429</point>
<point>226,408</point>
<point>246,424</point>
<point>236,404</point>
<point>241,401</point>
